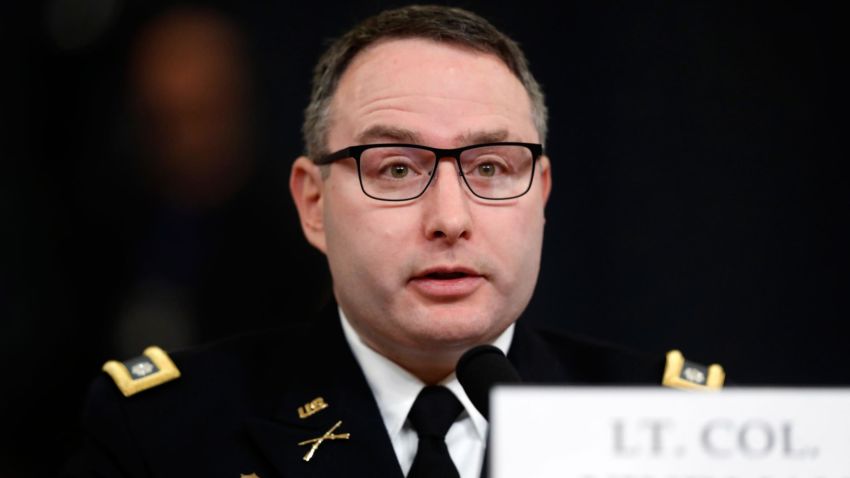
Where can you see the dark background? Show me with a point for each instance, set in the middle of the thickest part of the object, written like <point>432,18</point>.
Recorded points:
<point>700,193</point>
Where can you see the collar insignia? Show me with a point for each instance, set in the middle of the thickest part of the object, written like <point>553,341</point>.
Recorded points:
<point>316,442</point>
<point>317,405</point>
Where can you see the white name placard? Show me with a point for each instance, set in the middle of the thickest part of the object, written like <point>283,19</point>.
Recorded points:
<point>594,432</point>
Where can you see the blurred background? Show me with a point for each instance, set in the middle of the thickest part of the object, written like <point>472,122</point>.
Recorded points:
<point>700,185</point>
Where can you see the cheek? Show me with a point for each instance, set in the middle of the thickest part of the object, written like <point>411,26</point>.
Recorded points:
<point>516,237</point>
<point>391,226</point>
<point>516,233</point>
<point>366,242</point>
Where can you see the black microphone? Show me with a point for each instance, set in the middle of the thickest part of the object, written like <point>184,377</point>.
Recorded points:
<point>479,369</point>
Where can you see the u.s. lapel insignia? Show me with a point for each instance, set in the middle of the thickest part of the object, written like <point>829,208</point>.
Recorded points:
<point>681,373</point>
<point>316,442</point>
<point>316,405</point>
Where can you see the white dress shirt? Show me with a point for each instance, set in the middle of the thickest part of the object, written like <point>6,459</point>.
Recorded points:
<point>395,389</point>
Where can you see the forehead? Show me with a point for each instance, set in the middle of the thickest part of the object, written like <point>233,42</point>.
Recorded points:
<point>439,91</point>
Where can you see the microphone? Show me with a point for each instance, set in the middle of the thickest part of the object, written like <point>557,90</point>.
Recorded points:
<point>479,369</point>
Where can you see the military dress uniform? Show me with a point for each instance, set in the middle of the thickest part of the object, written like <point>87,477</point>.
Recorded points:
<point>258,405</point>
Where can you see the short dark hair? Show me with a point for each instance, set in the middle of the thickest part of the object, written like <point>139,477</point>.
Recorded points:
<point>433,22</point>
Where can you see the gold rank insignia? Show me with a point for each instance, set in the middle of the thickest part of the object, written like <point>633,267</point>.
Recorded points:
<point>681,373</point>
<point>315,406</point>
<point>148,370</point>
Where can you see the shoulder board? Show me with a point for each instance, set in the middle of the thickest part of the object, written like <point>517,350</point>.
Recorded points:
<point>148,370</point>
<point>681,373</point>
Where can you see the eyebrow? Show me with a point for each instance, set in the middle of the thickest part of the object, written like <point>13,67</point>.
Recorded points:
<point>384,133</point>
<point>480,137</point>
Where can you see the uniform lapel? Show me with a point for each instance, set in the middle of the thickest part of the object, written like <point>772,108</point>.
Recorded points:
<point>533,358</point>
<point>321,365</point>
<point>566,359</point>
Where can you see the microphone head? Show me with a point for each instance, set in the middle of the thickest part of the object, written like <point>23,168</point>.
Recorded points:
<point>479,369</point>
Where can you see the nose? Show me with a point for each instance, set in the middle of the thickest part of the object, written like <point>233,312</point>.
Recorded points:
<point>446,205</point>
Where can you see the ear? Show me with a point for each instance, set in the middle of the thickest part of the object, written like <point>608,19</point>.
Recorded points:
<point>545,178</point>
<point>305,185</point>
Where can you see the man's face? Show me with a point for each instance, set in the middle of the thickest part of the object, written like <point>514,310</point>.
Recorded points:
<point>447,270</point>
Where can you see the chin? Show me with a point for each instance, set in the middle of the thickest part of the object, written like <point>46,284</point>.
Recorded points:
<point>459,328</point>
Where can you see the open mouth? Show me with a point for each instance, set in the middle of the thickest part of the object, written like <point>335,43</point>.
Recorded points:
<point>446,275</point>
<point>447,283</point>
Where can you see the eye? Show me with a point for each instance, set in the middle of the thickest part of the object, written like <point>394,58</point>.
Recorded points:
<point>486,169</point>
<point>399,171</point>
<point>488,166</point>
<point>395,164</point>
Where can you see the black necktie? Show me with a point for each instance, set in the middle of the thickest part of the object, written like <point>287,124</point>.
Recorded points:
<point>432,414</point>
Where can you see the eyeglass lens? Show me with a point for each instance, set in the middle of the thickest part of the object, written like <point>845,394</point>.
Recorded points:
<point>403,172</point>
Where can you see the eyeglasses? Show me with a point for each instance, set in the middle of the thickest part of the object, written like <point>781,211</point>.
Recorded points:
<point>401,172</point>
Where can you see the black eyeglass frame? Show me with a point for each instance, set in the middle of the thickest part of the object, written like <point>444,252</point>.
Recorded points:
<point>356,151</point>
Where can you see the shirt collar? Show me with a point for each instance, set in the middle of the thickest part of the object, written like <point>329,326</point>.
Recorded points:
<point>395,389</point>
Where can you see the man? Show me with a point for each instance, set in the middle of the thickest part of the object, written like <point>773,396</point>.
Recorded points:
<point>424,184</point>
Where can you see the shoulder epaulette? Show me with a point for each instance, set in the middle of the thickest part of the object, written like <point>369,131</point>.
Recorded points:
<point>681,373</point>
<point>148,370</point>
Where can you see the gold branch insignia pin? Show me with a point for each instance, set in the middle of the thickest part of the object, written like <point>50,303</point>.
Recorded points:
<point>329,435</point>
<point>317,405</point>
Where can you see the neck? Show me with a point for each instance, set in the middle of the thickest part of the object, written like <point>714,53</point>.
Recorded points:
<point>432,364</point>
<point>429,369</point>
